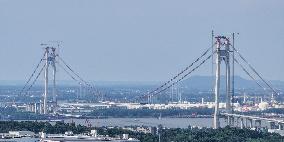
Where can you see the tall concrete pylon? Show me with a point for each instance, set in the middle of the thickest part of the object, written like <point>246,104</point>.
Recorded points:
<point>49,60</point>
<point>46,80</point>
<point>228,77</point>
<point>217,87</point>
<point>54,92</point>
<point>222,54</point>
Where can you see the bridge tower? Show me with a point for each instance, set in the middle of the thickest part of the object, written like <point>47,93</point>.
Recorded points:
<point>222,54</point>
<point>46,80</point>
<point>54,93</point>
<point>50,59</point>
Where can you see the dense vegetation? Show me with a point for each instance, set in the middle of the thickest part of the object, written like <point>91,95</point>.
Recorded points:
<point>115,112</point>
<point>226,134</point>
<point>58,127</point>
<point>11,113</point>
<point>217,135</point>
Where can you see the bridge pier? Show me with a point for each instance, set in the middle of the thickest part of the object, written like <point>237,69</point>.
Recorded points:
<point>237,121</point>
<point>280,126</point>
<point>257,123</point>
<point>271,125</point>
<point>242,123</point>
<point>228,120</point>
<point>232,121</point>
<point>254,122</point>
<point>249,123</point>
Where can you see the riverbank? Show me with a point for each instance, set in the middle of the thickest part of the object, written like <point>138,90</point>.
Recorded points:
<point>166,134</point>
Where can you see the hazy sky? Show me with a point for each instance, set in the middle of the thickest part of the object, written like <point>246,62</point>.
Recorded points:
<point>131,40</point>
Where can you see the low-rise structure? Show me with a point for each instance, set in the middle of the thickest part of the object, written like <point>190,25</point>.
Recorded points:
<point>92,137</point>
<point>21,133</point>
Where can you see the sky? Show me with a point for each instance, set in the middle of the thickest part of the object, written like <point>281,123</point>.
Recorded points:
<point>131,40</point>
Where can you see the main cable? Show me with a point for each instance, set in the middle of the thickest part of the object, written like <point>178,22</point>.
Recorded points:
<point>33,73</point>
<point>246,71</point>
<point>184,70</point>
<point>186,74</point>
<point>80,80</point>
<point>253,69</point>
<point>69,67</point>
<point>36,78</point>
<point>180,79</point>
<point>68,73</point>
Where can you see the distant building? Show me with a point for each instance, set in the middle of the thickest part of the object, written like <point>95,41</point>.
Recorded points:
<point>21,133</point>
<point>92,137</point>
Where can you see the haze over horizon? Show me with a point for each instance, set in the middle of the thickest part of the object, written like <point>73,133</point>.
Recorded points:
<point>138,40</point>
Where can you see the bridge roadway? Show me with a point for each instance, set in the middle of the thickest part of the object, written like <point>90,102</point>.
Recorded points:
<point>245,121</point>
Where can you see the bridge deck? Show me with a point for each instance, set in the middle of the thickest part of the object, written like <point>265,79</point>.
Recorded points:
<point>254,117</point>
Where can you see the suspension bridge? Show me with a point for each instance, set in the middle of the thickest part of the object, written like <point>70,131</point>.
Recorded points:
<point>222,49</point>
<point>52,59</point>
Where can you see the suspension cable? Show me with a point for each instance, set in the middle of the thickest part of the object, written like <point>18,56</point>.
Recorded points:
<point>253,69</point>
<point>184,70</point>
<point>69,67</point>
<point>180,79</point>
<point>80,80</point>
<point>185,75</point>
<point>36,78</point>
<point>68,73</point>
<point>246,71</point>
<point>32,75</point>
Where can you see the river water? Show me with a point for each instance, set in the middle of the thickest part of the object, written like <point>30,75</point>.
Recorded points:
<point>121,122</point>
<point>166,122</point>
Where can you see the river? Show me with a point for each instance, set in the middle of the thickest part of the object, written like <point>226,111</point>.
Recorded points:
<point>167,122</point>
